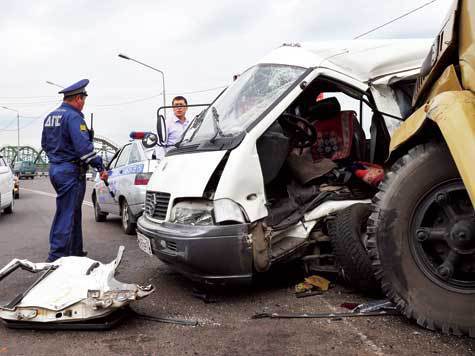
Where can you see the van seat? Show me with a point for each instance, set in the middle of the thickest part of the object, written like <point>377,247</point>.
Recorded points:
<point>336,136</point>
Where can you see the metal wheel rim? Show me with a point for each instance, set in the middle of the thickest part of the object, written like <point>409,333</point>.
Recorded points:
<point>431,228</point>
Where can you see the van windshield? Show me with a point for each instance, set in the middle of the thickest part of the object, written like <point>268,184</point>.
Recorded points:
<point>243,102</point>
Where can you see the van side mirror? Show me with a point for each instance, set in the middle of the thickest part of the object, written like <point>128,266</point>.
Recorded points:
<point>161,130</point>
<point>150,140</point>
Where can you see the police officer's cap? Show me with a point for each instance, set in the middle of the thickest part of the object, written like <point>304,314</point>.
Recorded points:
<point>76,88</point>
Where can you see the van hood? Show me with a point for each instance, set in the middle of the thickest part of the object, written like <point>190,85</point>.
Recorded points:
<point>185,175</point>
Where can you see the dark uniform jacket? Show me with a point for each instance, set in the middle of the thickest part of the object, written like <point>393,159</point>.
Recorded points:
<point>66,138</point>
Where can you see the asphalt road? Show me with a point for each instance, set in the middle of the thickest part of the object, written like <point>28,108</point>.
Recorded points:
<point>225,328</point>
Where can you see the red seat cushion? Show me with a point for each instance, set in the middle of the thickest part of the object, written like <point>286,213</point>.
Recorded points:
<point>334,136</point>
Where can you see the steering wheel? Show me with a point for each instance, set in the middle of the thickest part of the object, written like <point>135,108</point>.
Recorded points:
<point>303,133</point>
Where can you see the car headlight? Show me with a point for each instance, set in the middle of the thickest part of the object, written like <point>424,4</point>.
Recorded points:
<point>193,213</point>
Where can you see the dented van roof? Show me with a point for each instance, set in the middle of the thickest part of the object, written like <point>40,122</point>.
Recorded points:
<point>363,60</point>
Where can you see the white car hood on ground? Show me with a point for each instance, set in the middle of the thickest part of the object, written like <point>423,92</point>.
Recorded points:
<point>75,288</point>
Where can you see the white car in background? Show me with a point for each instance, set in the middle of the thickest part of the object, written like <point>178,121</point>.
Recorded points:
<point>129,172</point>
<point>6,187</point>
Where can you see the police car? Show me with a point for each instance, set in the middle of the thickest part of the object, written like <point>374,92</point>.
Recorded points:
<point>129,172</point>
<point>6,187</point>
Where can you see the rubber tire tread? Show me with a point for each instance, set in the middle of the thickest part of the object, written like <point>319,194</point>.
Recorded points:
<point>130,229</point>
<point>98,216</point>
<point>351,255</point>
<point>377,233</point>
<point>9,209</point>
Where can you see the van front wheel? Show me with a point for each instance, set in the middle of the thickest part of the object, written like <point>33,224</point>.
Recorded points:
<point>422,240</point>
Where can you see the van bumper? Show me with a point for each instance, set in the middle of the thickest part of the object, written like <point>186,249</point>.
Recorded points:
<point>218,255</point>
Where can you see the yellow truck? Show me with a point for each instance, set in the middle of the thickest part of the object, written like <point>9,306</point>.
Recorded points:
<point>422,227</point>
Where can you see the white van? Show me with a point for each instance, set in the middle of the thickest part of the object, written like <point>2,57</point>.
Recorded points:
<point>260,176</point>
<point>6,187</point>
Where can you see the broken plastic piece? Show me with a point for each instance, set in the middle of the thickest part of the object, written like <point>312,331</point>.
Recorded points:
<point>311,283</point>
<point>321,283</point>
<point>72,289</point>
<point>374,306</point>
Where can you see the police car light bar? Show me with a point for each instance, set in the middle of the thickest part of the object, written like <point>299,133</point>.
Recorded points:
<point>138,135</point>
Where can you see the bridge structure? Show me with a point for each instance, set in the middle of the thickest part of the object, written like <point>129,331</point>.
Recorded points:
<point>103,146</point>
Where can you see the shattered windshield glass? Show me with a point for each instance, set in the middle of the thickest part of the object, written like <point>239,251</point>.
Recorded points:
<point>242,103</point>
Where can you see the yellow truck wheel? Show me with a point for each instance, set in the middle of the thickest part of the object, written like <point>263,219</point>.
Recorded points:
<point>422,241</point>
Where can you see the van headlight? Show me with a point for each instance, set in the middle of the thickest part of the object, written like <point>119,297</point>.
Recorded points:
<point>192,213</point>
<point>206,212</point>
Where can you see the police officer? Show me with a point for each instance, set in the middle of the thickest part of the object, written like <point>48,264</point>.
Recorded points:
<point>68,144</point>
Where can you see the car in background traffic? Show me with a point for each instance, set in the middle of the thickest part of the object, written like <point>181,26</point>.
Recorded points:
<point>129,172</point>
<point>24,169</point>
<point>6,187</point>
<point>16,187</point>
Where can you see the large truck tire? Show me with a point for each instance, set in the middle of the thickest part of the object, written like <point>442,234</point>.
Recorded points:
<point>422,241</point>
<point>348,239</point>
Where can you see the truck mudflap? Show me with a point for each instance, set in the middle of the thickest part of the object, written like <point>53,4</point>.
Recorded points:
<point>215,255</point>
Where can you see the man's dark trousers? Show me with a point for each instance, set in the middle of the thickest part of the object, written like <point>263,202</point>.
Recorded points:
<point>66,232</point>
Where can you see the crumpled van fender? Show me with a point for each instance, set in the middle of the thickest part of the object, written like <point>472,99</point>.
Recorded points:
<point>454,114</point>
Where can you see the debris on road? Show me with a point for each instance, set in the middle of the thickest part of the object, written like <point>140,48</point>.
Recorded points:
<point>322,315</point>
<point>313,285</point>
<point>71,290</point>
<point>373,308</point>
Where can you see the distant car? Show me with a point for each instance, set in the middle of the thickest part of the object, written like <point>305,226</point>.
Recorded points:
<point>24,169</point>
<point>16,187</point>
<point>6,187</point>
<point>129,172</point>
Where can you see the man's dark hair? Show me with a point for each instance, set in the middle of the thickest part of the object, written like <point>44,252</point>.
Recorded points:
<point>72,97</point>
<point>179,97</point>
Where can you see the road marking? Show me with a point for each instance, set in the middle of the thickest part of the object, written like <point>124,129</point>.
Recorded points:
<point>364,338</point>
<point>51,195</point>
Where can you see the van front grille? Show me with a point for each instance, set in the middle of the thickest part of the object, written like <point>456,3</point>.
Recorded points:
<point>171,245</point>
<point>156,205</point>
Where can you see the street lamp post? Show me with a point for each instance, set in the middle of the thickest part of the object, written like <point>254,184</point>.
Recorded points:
<point>155,69</point>
<point>56,85</point>
<point>17,126</point>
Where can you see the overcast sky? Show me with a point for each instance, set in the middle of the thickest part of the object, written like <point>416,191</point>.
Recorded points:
<point>197,44</point>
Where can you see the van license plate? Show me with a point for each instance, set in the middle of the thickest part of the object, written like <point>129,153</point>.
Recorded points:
<point>144,244</point>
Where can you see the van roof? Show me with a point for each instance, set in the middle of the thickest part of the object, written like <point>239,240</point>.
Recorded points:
<point>363,60</point>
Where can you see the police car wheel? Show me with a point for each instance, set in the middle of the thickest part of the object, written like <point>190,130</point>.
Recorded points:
<point>98,214</point>
<point>9,209</point>
<point>127,225</point>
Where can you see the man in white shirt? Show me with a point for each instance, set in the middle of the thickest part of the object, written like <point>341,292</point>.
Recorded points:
<point>176,125</point>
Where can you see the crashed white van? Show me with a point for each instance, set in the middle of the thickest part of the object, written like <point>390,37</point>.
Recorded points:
<point>260,175</point>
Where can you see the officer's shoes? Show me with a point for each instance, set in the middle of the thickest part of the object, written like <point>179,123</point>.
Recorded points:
<point>82,254</point>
